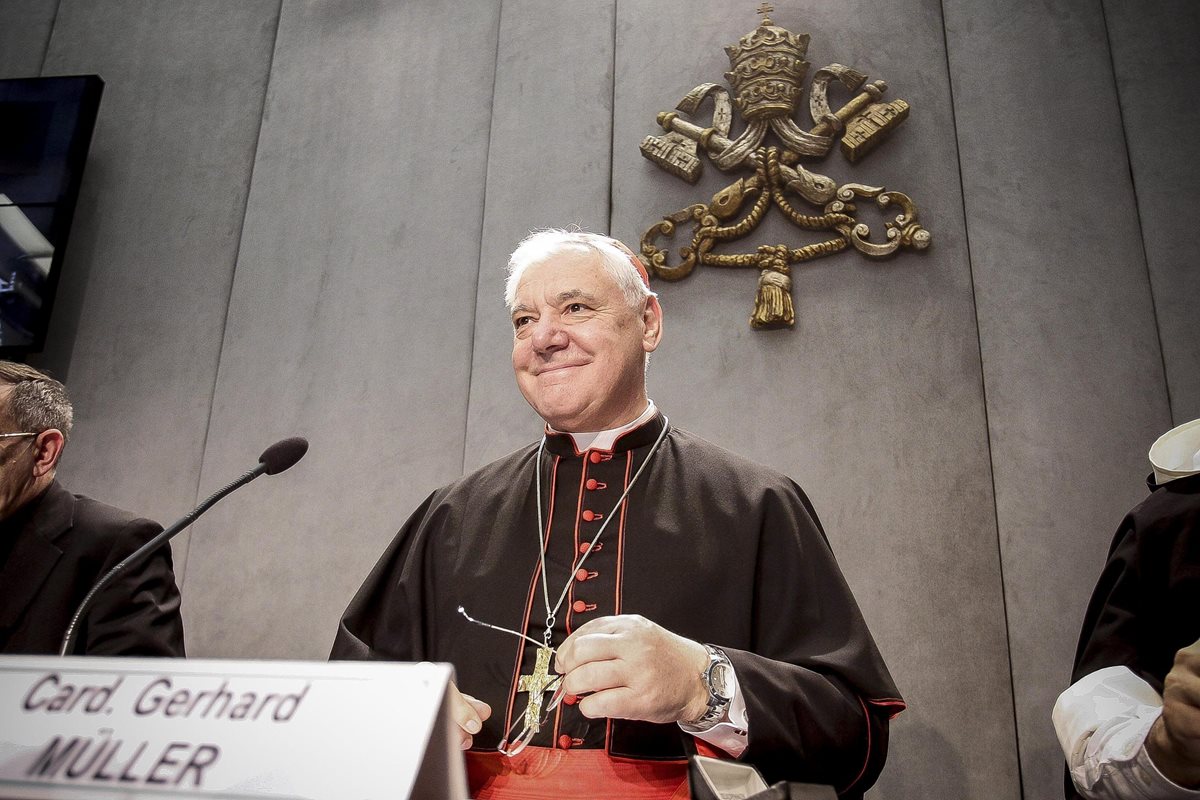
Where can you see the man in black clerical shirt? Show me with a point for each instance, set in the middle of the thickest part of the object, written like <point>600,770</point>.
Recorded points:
<point>54,545</point>
<point>643,593</point>
<point>1129,725</point>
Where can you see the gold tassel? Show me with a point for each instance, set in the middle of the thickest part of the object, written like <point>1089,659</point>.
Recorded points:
<point>773,305</point>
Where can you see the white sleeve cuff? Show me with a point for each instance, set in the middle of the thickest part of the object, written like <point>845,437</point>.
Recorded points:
<point>1102,721</point>
<point>731,732</point>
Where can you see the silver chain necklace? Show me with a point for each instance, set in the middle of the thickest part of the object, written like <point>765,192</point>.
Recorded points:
<point>552,613</point>
<point>539,681</point>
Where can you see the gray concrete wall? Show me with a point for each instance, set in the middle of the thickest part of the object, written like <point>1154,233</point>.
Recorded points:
<point>141,307</point>
<point>295,220</point>
<point>874,403</point>
<point>1067,330</point>
<point>1155,63</point>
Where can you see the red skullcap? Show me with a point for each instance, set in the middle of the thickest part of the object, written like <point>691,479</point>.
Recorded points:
<point>637,262</point>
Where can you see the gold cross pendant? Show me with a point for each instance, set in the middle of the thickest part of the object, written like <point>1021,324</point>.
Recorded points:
<point>537,685</point>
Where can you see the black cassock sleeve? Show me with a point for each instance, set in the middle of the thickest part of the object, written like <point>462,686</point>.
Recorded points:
<point>1138,613</point>
<point>818,695</point>
<point>1110,635</point>
<point>384,621</point>
<point>1135,617</point>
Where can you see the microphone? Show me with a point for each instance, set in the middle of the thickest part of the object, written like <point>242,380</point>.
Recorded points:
<point>275,459</point>
<point>283,455</point>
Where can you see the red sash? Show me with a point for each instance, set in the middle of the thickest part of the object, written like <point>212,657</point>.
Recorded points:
<point>543,773</point>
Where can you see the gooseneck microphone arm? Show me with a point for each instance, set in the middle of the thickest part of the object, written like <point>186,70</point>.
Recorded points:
<point>275,459</point>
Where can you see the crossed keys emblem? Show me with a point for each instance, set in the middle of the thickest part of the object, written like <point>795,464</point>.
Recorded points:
<point>767,74</point>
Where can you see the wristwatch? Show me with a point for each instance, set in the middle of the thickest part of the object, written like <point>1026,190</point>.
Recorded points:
<point>719,680</point>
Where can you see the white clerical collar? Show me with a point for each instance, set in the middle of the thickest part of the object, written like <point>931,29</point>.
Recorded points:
<point>604,440</point>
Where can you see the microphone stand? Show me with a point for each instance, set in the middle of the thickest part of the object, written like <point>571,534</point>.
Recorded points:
<point>137,556</point>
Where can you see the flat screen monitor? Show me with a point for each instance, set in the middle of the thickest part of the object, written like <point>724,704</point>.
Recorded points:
<point>45,130</point>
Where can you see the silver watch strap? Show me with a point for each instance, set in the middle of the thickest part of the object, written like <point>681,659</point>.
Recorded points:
<point>717,706</point>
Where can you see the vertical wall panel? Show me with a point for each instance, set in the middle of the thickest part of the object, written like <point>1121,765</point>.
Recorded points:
<point>1071,361</point>
<point>350,319</point>
<point>137,327</point>
<point>548,166</point>
<point>24,36</point>
<point>1157,63</point>
<point>874,402</point>
<point>406,147</point>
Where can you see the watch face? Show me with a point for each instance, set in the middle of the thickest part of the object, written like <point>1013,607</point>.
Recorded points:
<point>721,680</point>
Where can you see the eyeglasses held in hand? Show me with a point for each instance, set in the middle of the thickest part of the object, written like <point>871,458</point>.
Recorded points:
<point>536,685</point>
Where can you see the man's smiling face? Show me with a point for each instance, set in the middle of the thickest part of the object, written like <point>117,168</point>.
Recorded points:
<point>579,348</point>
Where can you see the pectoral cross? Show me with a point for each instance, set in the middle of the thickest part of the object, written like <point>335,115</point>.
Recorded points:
<point>537,685</point>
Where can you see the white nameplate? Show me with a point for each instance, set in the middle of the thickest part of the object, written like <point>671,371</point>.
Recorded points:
<point>125,728</point>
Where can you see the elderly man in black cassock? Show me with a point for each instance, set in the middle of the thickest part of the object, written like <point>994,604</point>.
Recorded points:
<point>623,593</point>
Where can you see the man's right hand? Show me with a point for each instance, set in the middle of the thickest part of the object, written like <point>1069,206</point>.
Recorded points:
<point>469,714</point>
<point>1174,741</point>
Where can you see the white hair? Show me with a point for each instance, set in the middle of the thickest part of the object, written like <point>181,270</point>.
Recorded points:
<point>540,246</point>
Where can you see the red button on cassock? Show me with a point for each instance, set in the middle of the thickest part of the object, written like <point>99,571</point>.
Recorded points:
<point>579,606</point>
<point>570,699</point>
<point>592,483</point>
<point>595,457</point>
<point>589,515</point>
<point>564,742</point>
<point>582,574</point>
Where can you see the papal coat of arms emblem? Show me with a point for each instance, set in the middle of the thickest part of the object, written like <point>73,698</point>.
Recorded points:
<point>767,74</point>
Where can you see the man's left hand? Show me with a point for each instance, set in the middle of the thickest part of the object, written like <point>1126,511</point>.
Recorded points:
<point>631,668</point>
<point>1173,742</point>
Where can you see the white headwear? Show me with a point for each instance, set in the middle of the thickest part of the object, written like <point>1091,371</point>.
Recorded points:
<point>1176,454</point>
